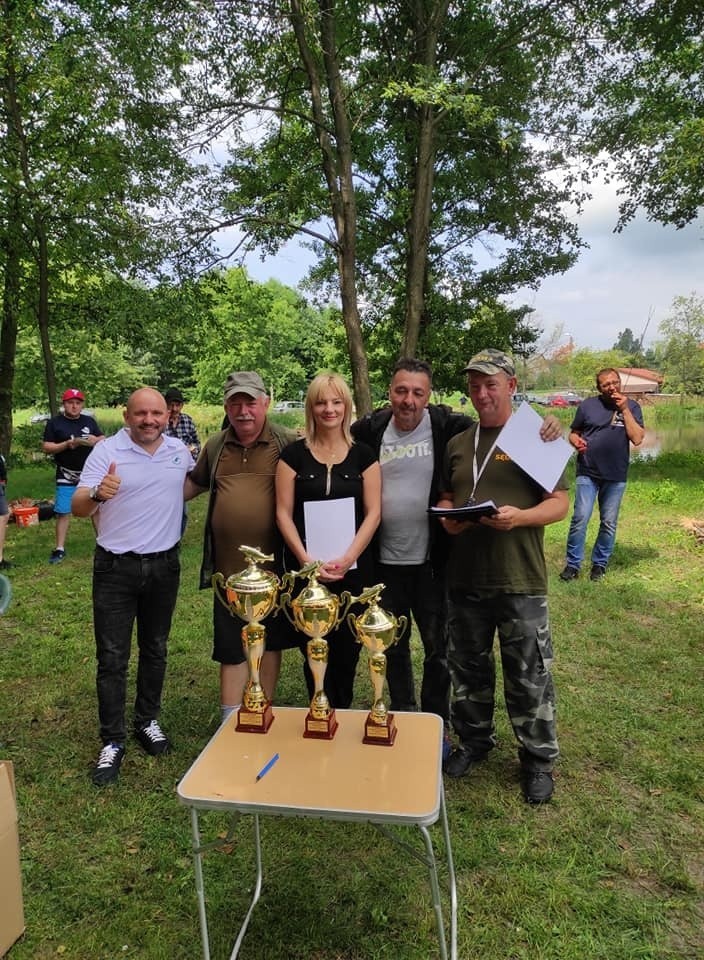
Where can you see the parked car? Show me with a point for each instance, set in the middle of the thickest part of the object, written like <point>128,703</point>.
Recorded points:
<point>557,400</point>
<point>40,418</point>
<point>286,406</point>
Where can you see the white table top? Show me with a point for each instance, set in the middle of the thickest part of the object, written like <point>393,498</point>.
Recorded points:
<point>340,779</point>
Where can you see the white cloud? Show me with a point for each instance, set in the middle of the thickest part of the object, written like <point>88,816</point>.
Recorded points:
<point>622,279</point>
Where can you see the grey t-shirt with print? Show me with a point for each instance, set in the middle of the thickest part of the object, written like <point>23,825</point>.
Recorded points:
<point>406,459</point>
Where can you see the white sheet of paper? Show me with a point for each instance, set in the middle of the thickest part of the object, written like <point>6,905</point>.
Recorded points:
<point>330,527</point>
<point>520,439</point>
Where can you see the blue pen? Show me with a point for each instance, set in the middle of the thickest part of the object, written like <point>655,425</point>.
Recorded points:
<point>267,767</point>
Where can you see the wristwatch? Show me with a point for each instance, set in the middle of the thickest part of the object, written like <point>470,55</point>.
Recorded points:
<point>94,495</point>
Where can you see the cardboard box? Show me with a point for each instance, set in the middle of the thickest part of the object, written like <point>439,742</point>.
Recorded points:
<point>11,909</point>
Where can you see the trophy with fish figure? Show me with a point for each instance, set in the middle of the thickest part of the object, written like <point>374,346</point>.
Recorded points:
<point>315,611</point>
<point>377,630</point>
<point>251,595</point>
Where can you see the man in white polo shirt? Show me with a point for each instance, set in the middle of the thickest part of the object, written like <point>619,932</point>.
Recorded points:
<point>132,485</point>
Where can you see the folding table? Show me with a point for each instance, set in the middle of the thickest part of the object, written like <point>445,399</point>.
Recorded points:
<point>339,779</point>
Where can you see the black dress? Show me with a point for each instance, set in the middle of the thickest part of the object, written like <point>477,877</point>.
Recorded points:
<point>314,482</point>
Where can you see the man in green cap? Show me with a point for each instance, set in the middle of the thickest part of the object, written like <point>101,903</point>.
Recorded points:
<point>497,582</point>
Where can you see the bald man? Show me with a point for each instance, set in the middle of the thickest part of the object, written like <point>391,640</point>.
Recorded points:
<point>132,486</point>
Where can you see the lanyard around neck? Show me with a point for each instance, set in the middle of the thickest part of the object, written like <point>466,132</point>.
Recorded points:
<point>477,473</point>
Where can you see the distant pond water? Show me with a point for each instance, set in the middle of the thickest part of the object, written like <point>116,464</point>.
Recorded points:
<point>674,438</point>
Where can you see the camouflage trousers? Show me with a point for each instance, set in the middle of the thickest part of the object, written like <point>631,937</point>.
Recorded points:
<point>526,656</point>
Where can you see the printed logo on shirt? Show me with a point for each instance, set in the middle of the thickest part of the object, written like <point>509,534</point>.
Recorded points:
<point>405,451</point>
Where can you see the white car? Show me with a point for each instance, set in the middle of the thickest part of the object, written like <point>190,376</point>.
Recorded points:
<point>286,406</point>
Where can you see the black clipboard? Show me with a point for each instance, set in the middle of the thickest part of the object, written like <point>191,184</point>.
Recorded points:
<point>469,512</point>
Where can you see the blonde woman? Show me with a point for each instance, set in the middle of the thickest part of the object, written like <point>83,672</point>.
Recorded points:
<point>328,465</point>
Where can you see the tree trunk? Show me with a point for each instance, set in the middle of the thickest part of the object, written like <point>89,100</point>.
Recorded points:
<point>418,233</point>
<point>337,165</point>
<point>8,340</point>
<point>43,317</point>
<point>428,19</point>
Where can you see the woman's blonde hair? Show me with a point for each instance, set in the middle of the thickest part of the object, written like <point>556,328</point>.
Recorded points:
<point>321,383</point>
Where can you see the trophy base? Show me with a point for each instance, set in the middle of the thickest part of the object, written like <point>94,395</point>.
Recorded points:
<point>320,729</point>
<point>250,722</point>
<point>382,734</point>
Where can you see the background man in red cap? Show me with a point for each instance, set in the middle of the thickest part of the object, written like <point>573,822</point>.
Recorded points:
<point>68,437</point>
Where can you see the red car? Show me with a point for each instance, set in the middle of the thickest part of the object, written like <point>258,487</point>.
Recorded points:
<point>557,401</point>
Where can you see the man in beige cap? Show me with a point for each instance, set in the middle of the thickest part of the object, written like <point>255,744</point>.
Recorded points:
<point>497,583</point>
<point>237,465</point>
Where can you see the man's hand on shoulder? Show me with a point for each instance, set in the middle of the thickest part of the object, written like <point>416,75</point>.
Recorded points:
<point>551,428</point>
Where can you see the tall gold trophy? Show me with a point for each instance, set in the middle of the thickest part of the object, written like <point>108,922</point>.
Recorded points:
<point>315,611</point>
<point>251,594</point>
<point>377,630</point>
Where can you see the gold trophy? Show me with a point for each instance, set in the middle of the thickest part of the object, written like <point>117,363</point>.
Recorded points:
<point>377,630</point>
<point>251,594</point>
<point>315,611</point>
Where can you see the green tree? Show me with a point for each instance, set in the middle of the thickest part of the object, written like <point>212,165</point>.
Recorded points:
<point>639,103</point>
<point>397,140</point>
<point>91,150</point>
<point>682,348</point>
<point>264,327</point>
<point>626,342</point>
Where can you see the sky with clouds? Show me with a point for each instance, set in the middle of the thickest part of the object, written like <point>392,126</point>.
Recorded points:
<point>619,281</point>
<point>622,279</point>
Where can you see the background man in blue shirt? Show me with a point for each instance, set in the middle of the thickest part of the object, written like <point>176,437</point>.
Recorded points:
<point>602,431</point>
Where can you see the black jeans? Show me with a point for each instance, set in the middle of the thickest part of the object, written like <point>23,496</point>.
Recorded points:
<point>414,590</point>
<point>129,587</point>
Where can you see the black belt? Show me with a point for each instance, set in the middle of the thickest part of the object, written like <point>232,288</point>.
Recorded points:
<point>140,556</point>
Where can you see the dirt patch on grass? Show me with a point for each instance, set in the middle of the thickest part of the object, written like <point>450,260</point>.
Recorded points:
<point>695,527</point>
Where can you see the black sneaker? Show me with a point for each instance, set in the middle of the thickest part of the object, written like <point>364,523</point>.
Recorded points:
<point>460,762</point>
<point>152,738</point>
<point>538,786</point>
<point>57,556</point>
<point>5,565</point>
<point>569,573</point>
<point>597,572</point>
<point>107,769</point>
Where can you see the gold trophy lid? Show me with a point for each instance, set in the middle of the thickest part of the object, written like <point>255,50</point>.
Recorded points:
<point>375,619</point>
<point>314,594</point>
<point>252,579</point>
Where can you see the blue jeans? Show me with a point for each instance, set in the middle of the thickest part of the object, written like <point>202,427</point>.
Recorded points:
<point>129,587</point>
<point>609,496</point>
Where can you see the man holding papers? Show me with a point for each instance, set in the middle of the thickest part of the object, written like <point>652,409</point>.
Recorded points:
<point>410,435</point>
<point>497,581</point>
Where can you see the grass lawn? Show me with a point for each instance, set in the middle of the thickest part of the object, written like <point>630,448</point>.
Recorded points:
<point>613,869</point>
